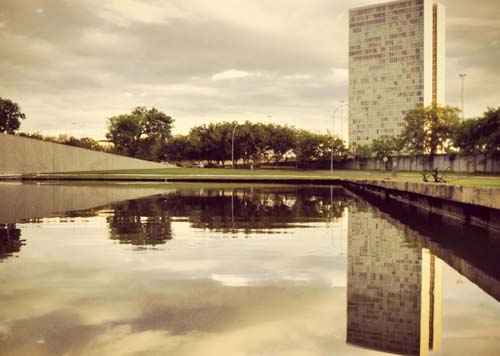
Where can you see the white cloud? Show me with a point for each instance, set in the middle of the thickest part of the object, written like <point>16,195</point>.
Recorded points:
<point>230,74</point>
<point>340,75</point>
<point>298,76</point>
<point>230,280</point>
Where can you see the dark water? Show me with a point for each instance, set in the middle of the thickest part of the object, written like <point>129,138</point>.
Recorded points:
<point>238,270</point>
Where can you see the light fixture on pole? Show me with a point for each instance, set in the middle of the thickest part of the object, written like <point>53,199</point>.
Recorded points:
<point>339,107</point>
<point>232,146</point>
<point>462,93</point>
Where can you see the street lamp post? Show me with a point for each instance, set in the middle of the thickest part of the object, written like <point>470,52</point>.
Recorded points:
<point>462,93</point>
<point>339,107</point>
<point>232,146</point>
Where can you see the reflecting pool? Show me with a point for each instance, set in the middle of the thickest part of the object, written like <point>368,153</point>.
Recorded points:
<point>148,269</point>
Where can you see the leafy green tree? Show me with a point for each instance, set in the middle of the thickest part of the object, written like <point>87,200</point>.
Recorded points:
<point>90,144</point>
<point>245,140</point>
<point>224,137</point>
<point>311,146</point>
<point>141,133</point>
<point>385,146</point>
<point>10,116</point>
<point>362,151</point>
<point>282,139</point>
<point>179,148</point>
<point>253,141</point>
<point>85,142</point>
<point>338,147</point>
<point>33,135</point>
<point>212,142</point>
<point>125,132</point>
<point>429,130</point>
<point>480,135</point>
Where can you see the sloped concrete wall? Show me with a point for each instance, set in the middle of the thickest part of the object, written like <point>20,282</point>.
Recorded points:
<point>22,201</point>
<point>20,155</point>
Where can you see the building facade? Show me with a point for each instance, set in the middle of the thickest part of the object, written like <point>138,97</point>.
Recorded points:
<point>396,63</point>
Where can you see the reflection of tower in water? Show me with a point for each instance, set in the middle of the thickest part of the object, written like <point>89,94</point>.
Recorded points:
<point>339,233</point>
<point>393,289</point>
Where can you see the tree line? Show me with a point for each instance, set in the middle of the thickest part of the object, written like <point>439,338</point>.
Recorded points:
<point>147,134</point>
<point>252,143</point>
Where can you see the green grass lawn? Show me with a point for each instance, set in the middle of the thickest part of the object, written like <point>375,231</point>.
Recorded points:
<point>277,174</point>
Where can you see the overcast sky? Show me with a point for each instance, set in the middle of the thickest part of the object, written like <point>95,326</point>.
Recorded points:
<point>72,64</point>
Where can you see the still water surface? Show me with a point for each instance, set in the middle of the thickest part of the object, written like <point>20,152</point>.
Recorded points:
<point>238,270</point>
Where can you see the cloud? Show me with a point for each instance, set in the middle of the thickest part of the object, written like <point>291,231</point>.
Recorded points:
<point>199,62</point>
<point>230,74</point>
<point>298,76</point>
<point>340,75</point>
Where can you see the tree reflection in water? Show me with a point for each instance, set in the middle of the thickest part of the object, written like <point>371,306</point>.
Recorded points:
<point>10,240</point>
<point>148,221</point>
<point>140,223</point>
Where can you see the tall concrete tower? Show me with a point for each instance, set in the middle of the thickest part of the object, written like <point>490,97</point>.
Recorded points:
<point>396,63</point>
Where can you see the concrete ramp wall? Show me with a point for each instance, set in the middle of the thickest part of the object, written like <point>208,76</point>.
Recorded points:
<point>20,155</point>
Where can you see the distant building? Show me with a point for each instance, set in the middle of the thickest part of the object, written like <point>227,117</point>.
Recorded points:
<point>394,289</point>
<point>396,62</point>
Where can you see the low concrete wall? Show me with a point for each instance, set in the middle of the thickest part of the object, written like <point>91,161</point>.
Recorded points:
<point>449,163</point>
<point>475,206</point>
<point>20,155</point>
<point>486,197</point>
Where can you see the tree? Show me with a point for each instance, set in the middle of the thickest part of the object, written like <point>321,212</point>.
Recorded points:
<point>282,139</point>
<point>253,143</point>
<point>362,151</point>
<point>212,142</point>
<point>480,135</point>
<point>385,146</point>
<point>10,116</point>
<point>179,148</point>
<point>338,147</point>
<point>90,144</point>
<point>311,146</point>
<point>254,139</point>
<point>141,133</point>
<point>85,142</point>
<point>156,125</point>
<point>33,135</point>
<point>429,130</point>
<point>125,132</point>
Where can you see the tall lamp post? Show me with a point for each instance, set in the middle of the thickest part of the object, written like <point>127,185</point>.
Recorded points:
<point>462,93</point>
<point>339,107</point>
<point>232,146</point>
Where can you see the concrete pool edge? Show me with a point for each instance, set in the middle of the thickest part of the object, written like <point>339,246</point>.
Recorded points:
<point>473,206</point>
